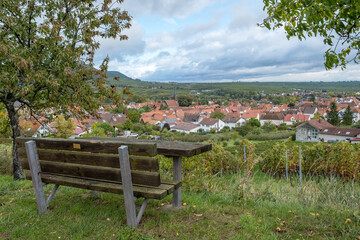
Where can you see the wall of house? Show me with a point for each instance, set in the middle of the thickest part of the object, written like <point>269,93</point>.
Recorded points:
<point>303,134</point>
<point>328,137</point>
<point>276,122</point>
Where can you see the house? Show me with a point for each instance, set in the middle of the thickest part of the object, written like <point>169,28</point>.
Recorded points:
<point>35,129</point>
<point>276,118</point>
<point>186,127</point>
<point>208,124</point>
<point>171,103</point>
<point>290,119</point>
<point>317,130</point>
<point>233,121</point>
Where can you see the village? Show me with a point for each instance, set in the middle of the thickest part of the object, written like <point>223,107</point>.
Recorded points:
<point>307,117</point>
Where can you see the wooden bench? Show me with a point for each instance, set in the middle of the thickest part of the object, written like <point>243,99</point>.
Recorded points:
<point>96,165</point>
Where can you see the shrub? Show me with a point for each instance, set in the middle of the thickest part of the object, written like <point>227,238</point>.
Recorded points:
<point>216,161</point>
<point>6,159</point>
<point>341,159</point>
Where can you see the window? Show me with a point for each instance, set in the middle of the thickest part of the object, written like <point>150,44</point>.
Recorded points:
<point>313,133</point>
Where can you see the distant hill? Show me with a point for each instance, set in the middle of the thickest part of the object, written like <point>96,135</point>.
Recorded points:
<point>111,74</point>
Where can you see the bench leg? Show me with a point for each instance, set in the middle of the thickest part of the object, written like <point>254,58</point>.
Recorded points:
<point>177,165</point>
<point>34,164</point>
<point>130,209</point>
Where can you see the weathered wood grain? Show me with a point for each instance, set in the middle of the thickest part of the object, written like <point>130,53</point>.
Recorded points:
<point>96,172</point>
<point>167,148</point>
<point>89,145</point>
<point>146,192</point>
<point>141,163</point>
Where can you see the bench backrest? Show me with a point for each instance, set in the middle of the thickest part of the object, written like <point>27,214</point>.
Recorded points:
<point>93,159</point>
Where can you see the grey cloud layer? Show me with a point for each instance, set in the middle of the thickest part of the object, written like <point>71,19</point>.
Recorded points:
<point>203,51</point>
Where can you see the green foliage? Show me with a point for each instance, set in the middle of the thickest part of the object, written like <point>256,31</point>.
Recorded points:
<point>5,159</point>
<point>253,122</point>
<point>133,114</point>
<point>47,51</point>
<point>269,127</point>
<point>145,108</point>
<point>216,161</point>
<point>185,100</point>
<point>108,129</point>
<point>282,127</point>
<point>5,127</point>
<point>118,109</point>
<point>333,115</point>
<point>95,132</point>
<point>128,125</point>
<point>336,22</point>
<point>234,135</point>
<point>341,159</point>
<point>244,130</point>
<point>217,114</point>
<point>64,128</point>
<point>348,117</point>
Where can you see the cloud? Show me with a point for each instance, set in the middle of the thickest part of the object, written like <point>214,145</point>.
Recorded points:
<point>219,45</point>
<point>116,49</point>
<point>166,8</point>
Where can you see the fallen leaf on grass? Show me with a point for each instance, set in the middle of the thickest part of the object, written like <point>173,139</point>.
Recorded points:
<point>279,230</point>
<point>314,214</point>
<point>198,215</point>
<point>348,220</point>
<point>184,204</point>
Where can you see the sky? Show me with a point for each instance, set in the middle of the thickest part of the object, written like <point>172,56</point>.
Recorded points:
<point>213,41</point>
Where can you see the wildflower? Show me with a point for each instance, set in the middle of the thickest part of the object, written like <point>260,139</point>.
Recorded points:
<point>348,220</point>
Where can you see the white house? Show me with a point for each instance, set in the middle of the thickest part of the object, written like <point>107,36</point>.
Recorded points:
<point>233,121</point>
<point>186,127</point>
<point>208,124</point>
<point>276,118</point>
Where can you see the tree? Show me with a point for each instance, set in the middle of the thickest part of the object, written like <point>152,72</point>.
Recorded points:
<point>64,127</point>
<point>46,57</point>
<point>337,22</point>
<point>185,100</point>
<point>253,122</point>
<point>108,129</point>
<point>5,128</point>
<point>348,116</point>
<point>217,114</point>
<point>128,125</point>
<point>133,114</point>
<point>333,115</point>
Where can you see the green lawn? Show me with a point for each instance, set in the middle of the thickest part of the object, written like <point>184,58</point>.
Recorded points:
<point>227,207</point>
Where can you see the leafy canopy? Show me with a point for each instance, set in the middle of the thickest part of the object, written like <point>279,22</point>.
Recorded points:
<point>47,50</point>
<point>337,22</point>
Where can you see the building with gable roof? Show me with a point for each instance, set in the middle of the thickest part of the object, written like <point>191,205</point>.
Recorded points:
<point>317,130</point>
<point>208,124</point>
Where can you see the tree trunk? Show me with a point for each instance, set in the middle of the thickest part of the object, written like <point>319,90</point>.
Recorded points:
<point>17,170</point>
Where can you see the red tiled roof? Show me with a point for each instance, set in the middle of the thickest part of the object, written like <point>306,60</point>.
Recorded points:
<point>209,121</point>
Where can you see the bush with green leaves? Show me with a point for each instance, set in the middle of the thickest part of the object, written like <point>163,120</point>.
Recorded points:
<point>214,162</point>
<point>338,159</point>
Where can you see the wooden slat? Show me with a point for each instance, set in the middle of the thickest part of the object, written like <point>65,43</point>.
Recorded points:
<point>94,146</point>
<point>141,163</point>
<point>153,193</point>
<point>99,173</point>
<point>167,148</point>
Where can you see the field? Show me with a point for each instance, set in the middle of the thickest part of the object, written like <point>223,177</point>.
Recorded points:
<point>220,206</point>
<point>235,90</point>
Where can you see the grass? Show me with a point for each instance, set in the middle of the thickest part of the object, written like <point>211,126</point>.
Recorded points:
<point>5,155</point>
<point>226,207</point>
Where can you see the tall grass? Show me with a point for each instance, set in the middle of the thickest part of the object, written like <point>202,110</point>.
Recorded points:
<point>6,159</point>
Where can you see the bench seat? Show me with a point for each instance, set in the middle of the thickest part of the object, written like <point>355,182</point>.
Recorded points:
<point>156,192</point>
